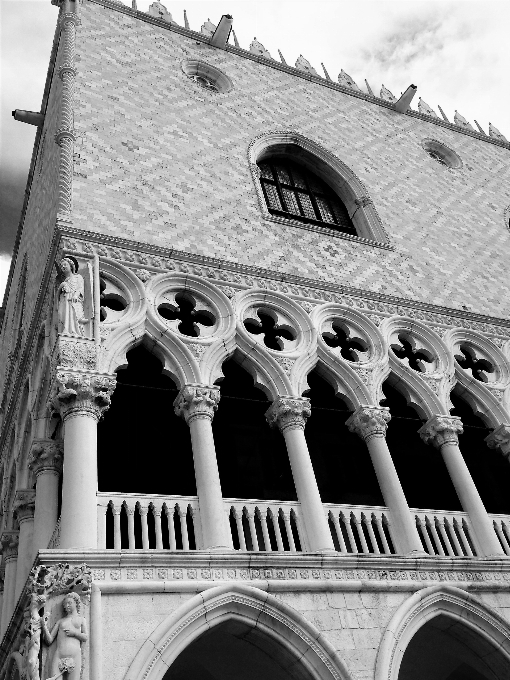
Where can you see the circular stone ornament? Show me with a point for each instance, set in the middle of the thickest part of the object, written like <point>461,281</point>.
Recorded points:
<point>441,153</point>
<point>207,76</point>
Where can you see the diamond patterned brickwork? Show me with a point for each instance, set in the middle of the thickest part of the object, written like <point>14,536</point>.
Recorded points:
<point>164,161</point>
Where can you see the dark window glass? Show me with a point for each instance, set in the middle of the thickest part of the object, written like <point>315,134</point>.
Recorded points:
<point>293,191</point>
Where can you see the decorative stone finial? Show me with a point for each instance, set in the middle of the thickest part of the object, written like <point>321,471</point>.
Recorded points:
<point>282,58</point>
<point>208,28</point>
<point>387,95</point>
<point>289,413</point>
<point>24,504</point>
<point>186,22</point>
<point>326,74</point>
<point>494,132</point>
<point>197,401</point>
<point>77,392</point>
<point>423,107</point>
<point>258,48</point>
<point>303,64</point>
<point>369,421</point>
<point>369,89</point>
<point>500,439</point>
<point>440,430</point>
<point>346,80</point>
<point>157,9</point>
<point>45,454</point>
<point>461,121</point>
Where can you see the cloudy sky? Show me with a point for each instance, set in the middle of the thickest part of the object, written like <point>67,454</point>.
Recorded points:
<point>455,52</point>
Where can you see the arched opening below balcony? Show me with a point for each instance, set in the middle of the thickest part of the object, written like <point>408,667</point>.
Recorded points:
<point>446,649</point>
<point>340,458</point>
<point>489,469</point>
<point>234,649</point>
<point>420,467</point>
<point>143,447</point>
<point>252,458</point>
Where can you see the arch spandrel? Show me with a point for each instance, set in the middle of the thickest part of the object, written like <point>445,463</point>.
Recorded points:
<point>247,604</point>
<point>425,605</point>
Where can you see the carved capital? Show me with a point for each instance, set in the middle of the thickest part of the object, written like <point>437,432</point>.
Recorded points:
<point>82,393</point>
<point>440,430</point>
<point>289,413</point>
<point>46,455</point>
<point>24,504</point>
<point>197,401</point>
<point>10,542</point>
<point>500,439</point>
<point>369,421</point>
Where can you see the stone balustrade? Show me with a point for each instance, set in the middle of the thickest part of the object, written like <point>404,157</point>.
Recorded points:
<point>271,526</point>
<point>360,529</point>
<point>445,533</point>
<point>502,528</point>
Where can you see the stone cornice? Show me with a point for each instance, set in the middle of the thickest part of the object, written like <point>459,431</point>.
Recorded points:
<point>318,80</point>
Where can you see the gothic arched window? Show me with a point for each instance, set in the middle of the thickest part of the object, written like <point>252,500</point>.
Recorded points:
<point>293,191</point>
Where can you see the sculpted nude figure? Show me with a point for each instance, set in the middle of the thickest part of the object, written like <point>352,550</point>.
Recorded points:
<point>70,632</point>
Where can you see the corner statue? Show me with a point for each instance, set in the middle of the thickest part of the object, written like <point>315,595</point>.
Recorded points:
<point>70,296</point>
<point>70,632</point>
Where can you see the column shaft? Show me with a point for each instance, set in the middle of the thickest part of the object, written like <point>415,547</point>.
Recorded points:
<point>370,423</point>
<point>46,508</point>
<point>312,509</point>
<point>25,552</point>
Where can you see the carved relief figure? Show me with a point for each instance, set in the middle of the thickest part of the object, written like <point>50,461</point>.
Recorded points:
<point>70,632</point>
<point>33,642</point>
<point>70,296</point>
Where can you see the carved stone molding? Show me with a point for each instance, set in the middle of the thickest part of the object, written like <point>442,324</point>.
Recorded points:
<point>500,439</point>
<point>24,504</point>
<point>79,393</point>
<point>440,430</point>
<point>197,401</point>
<point>75,354</point>
<point>289,413</point>
<point>59,579</point>
<point>369,421</point>
<point>46,455</point>
<point>10,542</point>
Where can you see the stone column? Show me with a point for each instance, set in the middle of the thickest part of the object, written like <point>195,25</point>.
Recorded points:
<point>442,432</point>
<point>2,579</point>
<point>9,542</point>
<point>24,504</point>
<point>289,414</point>
<point>81,398</point>
<point>197,405</point>
<point>46,465</point>
<point>370,423</point>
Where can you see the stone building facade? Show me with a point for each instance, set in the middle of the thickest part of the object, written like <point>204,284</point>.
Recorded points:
<point>255,359</point>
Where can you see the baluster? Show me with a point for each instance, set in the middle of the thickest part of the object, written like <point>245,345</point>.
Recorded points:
<point>184,528</point>
<point>117,542</point>
<point>238,516</point>
<point>505,530</point>
<point>449,549</point>
<point>347,522</point>
<point>157,526</point>
<point>432,526</point>
<point>143,510</point>
<point>288,528</point>
<point>338,531</point>
<point>300,531</point>
<point>466,536</point>
<point>380,532</point>
<point>361,533</point>
<point>265,532</point>
<point>276,527</point>
<point>170,512</point>
<point>101,526</point>
<point>502,537</point>
<point>373,539</point>
<point>253,531</point>
<point>422,530</point>
<point>130,509</point>
<point>453,537</point>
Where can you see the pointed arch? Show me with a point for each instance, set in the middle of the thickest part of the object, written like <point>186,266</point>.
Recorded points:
<point>344,182</point>
<point>425,605</point>
<point>244,603</point>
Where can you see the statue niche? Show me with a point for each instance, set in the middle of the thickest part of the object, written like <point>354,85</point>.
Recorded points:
<point>70,299</point>
<point>67,636</point>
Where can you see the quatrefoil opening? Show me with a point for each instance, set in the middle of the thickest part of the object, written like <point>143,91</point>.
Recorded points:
<point>469,361</point>
<point>408,352</point>
<point>275,334</point>
<point>113,304</point>
<point>188,317</point>
<point>343,336</point>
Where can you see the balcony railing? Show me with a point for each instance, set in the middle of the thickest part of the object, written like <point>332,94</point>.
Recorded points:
<point>136,521</point>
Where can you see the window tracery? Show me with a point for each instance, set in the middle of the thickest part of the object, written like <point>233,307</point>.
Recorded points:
<point>293,191</point>
<point>186,316</point>
<point>469,361</point>
<point>407,351</point>
<point>274,334</point>
<point>351,346</point>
